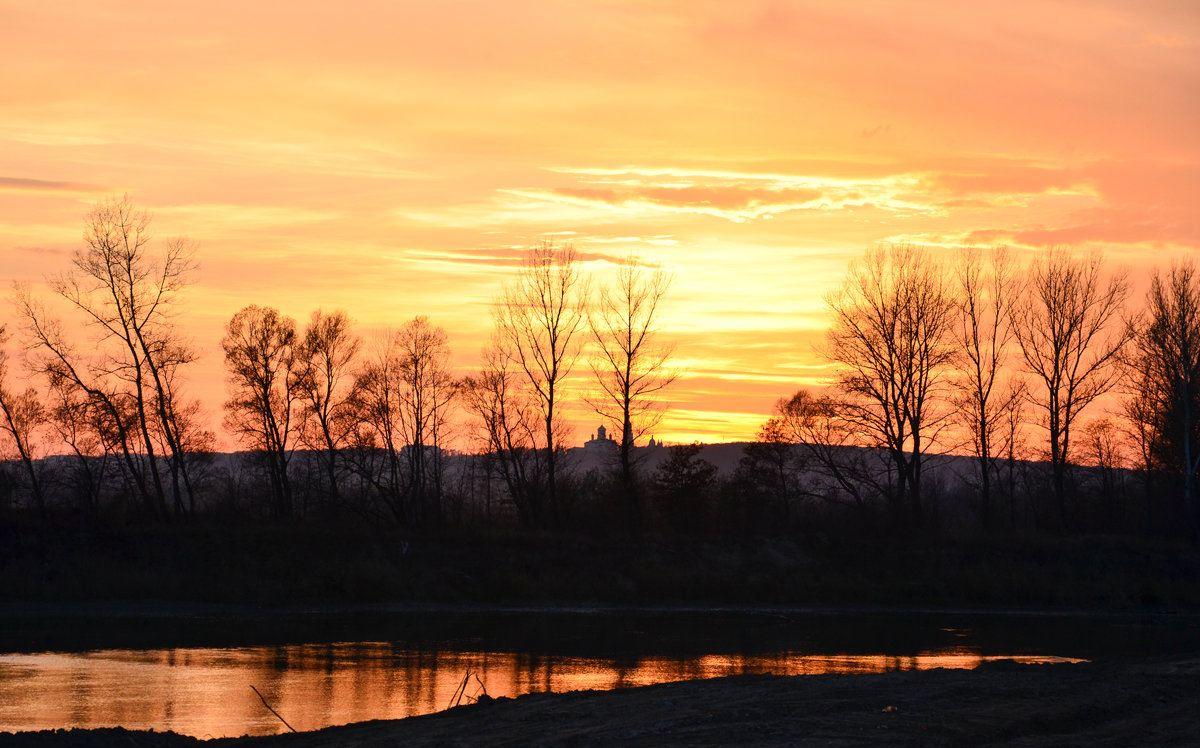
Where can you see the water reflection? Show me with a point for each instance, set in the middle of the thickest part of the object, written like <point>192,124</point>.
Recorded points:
<point>206,692</point>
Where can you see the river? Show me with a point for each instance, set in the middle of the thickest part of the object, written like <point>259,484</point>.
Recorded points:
<point>429,660</point>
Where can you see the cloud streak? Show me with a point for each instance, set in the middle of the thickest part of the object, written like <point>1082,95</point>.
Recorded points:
<point>734,196</point>
<point>24,184</point>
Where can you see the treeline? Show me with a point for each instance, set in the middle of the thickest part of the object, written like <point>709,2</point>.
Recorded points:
<point>987,357</point>
<point>1033,370</point>
<point>330,424</point>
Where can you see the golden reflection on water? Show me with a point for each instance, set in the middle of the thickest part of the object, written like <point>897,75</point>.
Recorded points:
<point>206,692</point>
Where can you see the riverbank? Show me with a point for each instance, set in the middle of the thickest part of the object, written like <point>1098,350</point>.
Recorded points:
<point>351,563</point>
<point>603,630</point>
<point>1105,703</point>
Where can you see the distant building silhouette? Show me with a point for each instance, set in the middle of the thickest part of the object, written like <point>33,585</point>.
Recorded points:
<point>600,441</point>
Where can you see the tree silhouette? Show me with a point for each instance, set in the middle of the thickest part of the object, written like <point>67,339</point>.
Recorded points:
<point>983,329</point>
<point>508,419</point>
<point>891,340</point>
<point>827,434</point>
<point>21,414</point>
<point>1068,329</point>
<point>425,398</point>
<point>630,364</point>
<point>78,421</point>
<point>127,297</point>
<point>325,362</point>
<point>683,484</point>
<point>378,385</point>
<point>405,391</point>
<point>539,318</point>
<point>1164,369</point>
<point>261,366</point>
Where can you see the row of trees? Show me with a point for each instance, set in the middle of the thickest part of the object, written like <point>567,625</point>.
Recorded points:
<point>381,414</point>
<point>967,356</point>
<point>964,357</point>
<point>376,417</point>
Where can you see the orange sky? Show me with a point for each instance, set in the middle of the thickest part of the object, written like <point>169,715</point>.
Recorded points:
<point>392,158</point>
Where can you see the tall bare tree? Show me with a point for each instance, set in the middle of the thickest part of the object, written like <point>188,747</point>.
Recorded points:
<point>539,318</point>
<point>629,364</point>
<point>325,363</point>
<point>893,319</point>
<point>427,391</point>
<point>1069,330</point>
<point>127,295</point>
<point>987,292</point>
<point>1164,379</point>
<point>260,363</point>
<point>130,294</point>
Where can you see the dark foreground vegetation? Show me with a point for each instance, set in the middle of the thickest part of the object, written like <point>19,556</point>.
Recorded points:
<point>1095,704</point>
<point>261,562</point>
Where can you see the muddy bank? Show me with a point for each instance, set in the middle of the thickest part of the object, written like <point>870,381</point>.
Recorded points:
<point>1142,702</point>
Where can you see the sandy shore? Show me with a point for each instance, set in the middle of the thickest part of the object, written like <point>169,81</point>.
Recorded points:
<point>1120,703</point>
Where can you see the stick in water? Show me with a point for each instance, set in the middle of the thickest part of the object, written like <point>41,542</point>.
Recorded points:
<point>268,706</point>
<point>456,699</point>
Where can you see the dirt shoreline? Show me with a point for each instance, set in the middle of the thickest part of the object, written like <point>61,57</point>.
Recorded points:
<point>1127,702</point>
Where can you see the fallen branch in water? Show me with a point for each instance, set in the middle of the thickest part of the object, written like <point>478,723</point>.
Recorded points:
<point>459,692</point>
<point>268,706</point>
<point>482,694</point>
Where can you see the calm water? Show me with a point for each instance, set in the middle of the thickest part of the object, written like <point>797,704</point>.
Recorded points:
<point>205,691</point>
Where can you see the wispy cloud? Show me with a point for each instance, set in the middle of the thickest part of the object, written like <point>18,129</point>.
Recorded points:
<point>24,184</point>
<point>734,196</point>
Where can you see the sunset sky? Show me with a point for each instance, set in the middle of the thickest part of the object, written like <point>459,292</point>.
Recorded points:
<point>393,158</point>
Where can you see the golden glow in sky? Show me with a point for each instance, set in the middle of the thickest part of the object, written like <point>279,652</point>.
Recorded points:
<point>393,158</point>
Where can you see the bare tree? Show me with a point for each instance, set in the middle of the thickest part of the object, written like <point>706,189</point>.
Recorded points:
<point>1009,442</point>
<point>1069,332</point>
<point>127,296</point>
<point>1104,449</point>
<point>629,363</point>
<point>108,401</point>
<point>76,420</point>
<point>1164,379</point>
<point>325,363</point>
<point>405,391</point>
<point>425,399</point>
<point>260,362</point>
<point>828,435</point>
<point>22,416</point>
<point>893,319</point>
<point>539,318</point>
<point>986,295</point>
<point>378,385</point>
<point>508,420</point>
<point>196,442</point>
